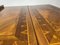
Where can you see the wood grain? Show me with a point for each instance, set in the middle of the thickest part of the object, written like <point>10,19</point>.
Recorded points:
<point>30,25</point>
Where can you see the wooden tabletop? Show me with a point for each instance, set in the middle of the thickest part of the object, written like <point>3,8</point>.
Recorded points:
<point>30,25</point>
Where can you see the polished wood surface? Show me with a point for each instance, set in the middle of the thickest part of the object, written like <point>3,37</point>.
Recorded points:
<point>30,25</point>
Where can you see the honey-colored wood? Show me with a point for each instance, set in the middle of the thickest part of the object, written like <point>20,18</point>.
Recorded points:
<point>30,25</point>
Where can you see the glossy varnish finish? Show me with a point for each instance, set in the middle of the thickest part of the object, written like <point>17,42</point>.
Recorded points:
<point>30,25</point>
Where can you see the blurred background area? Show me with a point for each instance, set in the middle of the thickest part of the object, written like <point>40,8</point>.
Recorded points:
<point>29,2</point>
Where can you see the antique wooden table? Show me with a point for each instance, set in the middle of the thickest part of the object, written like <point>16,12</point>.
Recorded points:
<point>30,25</point>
